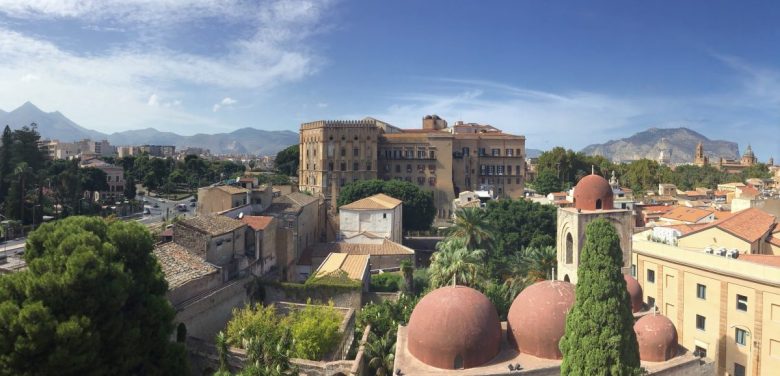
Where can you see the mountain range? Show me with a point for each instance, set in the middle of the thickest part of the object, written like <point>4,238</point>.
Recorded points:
<point>54,125</point>
<point>648,144</point>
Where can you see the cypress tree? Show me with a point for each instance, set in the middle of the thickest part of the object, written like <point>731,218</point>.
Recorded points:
<point>600,338</point>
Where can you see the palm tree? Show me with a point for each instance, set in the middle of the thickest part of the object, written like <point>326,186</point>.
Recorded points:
<point>380,352</point>
<point>455,263</point>
<point>22,171</point>
<point>539,263</point>
<point>472,225</point>
<point>408,272</point>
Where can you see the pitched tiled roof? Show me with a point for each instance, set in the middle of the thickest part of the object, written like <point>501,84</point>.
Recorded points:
<point>212,224</point>
<point>291,203</point>
<point>686,214</point>
<point>377,201</point>
<point>748,191</point>
<point>232,189</point>
<point>181,266</point>
<point>749,224</point>
<point>387,247</point>
<point>353,265</point>
<point>257,222</point>
<point>769,260</point>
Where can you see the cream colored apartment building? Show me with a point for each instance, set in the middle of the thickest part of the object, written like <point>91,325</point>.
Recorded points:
<point>445,160</point>
<point>725,306</point>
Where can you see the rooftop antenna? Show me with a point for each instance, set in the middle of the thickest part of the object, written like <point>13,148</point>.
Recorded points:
<point>592,169</point>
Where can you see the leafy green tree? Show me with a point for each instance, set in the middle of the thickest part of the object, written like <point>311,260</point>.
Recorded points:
<point>520,221</point>
<point>130,190</point>
<point>380,352</point>
<point>92,302</point>
<point>472,225</point>
<point>758,170</point>
<point>94,179</point>
<point>538,263</point>
<point>600,338</point>
<point>546,182</point>
<point>454,263</point>
<point>6,161</point>
<point>287,161</point>
<point>408,271</point>
<point>386,282</point>
<point>418,210</point>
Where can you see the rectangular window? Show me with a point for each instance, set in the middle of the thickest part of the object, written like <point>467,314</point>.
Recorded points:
<point>384,215</point>
<point>355,152</point>
<point>420,180</point>
<point>421,168</point>
<point>387,168</point>
<point>368,166</point>
<point>739,370</point>
<point>465,152</point>
<point>633,270</point>
<point>651,301</point>
<point>740,336</point>
<point>388,154</point>
<point>495,152</point>
<point>701,291</point>
<point>397,168</point>
<point>650,275</point>
<point>701,322</point>
<point>355,166</point>
<point>343,152</point>
<point>432,154</point>
<point>330,166</point>
<point>343,166</point>
<point>481,152</point>
<point>742,303</point>
<point>510,153</point>
<point>421,154</point>
<point>700,352</point>
<point>409,153</point>
<point>409,168</point>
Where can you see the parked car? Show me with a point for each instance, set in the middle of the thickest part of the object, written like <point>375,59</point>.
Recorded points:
<point>181,207</point>
<point>156,205</point>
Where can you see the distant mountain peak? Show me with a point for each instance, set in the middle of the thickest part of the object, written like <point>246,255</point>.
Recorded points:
<point>648,143</point>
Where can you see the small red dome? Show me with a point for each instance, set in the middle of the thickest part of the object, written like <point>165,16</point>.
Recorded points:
<point>635,292</point>
<point>454,327</point>
<point>657,338</point>
<point>593,192</point>
<point>537,319</point>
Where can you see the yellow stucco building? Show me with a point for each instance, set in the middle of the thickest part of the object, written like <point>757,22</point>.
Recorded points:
<point>725,306</point>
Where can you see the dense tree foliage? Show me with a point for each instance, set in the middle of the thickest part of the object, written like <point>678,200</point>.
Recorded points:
<point>92,302</point>
<point>418,210</point>
<point>167,174</point>
<point>546,182</point>
<point>455,263</point>
<point>314,329</point>
<point>600,336</point>
<point>386,282</point>
<point>521,222</point>
<point>471,225</point>
<point>569,167</point>
<point>287,161</point>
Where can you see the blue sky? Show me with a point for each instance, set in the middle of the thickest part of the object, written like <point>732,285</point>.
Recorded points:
<point>561,73</point>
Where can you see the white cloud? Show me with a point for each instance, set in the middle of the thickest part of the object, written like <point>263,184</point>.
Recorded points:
<point>322,105</point>
<point>225,102</point>
<point>93,87</point>
<point>153,101</point>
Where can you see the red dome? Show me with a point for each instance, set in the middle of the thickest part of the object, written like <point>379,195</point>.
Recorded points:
<point>454,327</point>
<point>593,192</point>
<point>657,338</point>
<point>635,292</point>
<point>537,319</point>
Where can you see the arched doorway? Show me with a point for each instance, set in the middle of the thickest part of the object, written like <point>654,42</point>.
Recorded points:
<point>598,204</point>
<point>566,278</point>
<point>458,362</point>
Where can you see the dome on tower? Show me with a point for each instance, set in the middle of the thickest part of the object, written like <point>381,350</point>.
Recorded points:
<point>537,318</point>
<point>454,327</point>
<point>635,292</point>
<point>657,338</point>
<point>593,192</point>
<point>749,152</point>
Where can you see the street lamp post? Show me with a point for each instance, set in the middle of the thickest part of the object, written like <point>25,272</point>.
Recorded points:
<point>750,346</point>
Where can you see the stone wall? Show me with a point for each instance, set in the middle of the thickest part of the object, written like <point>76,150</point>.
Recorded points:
<point>206,315</point>
<point>204,360</point>
<point>341,297</point>
<point>379,297</point>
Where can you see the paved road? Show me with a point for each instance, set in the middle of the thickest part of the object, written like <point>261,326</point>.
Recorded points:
<point>15,246</point>
<point>166,210</point>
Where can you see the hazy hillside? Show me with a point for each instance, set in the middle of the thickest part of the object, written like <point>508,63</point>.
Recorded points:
<point>647,144</point>
<point>54,125</point>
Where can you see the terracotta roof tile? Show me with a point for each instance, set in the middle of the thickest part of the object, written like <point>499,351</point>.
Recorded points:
<point>749,225</point>
<point>354,265</point>
<point>769,260</point>
<point>212,224</point>
<point>181,266</point>
<point>387,247</point>
<point>257,222</point>
<point>686,214</point>
<point>377,201</point>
